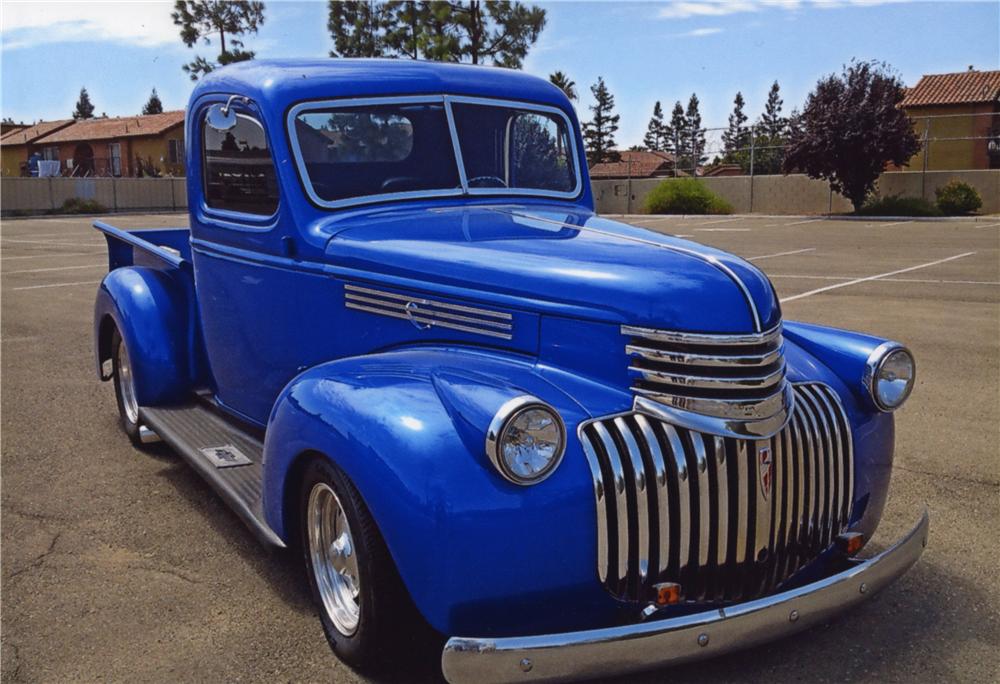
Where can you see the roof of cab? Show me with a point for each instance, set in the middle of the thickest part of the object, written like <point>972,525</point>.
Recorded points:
<point>281,83</point>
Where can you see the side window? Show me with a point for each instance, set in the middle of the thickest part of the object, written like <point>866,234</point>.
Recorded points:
<point>238,170</point>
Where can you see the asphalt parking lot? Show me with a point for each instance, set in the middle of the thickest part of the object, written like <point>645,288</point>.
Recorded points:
<point>118,565</point>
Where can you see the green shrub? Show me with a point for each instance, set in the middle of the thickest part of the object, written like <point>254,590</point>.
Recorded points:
<point>894,205</point>
<point>76,205</point>
<point>685,196</point>
<point>958,197</point>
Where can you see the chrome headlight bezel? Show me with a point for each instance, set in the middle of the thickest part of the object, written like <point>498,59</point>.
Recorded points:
<point>873,367</point>
<point>498,429</point>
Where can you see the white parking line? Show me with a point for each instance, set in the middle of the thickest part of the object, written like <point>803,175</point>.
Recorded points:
<point>57,268</point>
<point>40,287</point>
<point>794,223</point>
<point>887,280</point>
<point>874,277</point>
<point>712,223</point>
<point>50,256</point>
<point>722,230</point>
<point>989,225</point>
<point>685,235</point>
<point>894,223</point>
<point>5,241</point>
<point>778,254</point>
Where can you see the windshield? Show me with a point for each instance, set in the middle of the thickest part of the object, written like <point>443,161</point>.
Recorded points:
<point>371,151</point>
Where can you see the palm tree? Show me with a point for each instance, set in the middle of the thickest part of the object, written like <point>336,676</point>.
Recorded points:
<point>563,82</point>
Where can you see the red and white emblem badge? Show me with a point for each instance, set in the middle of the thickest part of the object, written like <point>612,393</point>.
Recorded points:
<point>765,467</point>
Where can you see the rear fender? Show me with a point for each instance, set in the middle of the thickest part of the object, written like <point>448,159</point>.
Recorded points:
<point>152,308</point>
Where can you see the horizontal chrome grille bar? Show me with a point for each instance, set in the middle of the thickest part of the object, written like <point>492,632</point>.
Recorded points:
<point>426,313</point>
<point>691,359</point>
<point>704,382</point>
<point>728,519</point>
<point>737,381</point>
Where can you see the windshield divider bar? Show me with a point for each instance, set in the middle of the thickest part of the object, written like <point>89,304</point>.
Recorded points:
<point>454,143</point>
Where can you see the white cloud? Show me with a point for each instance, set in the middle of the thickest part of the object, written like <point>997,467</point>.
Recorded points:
<point>29,24</point>
<point>687,9</point>
<point>699,32</point>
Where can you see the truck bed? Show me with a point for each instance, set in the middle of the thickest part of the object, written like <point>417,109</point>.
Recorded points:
<point>135,247</point>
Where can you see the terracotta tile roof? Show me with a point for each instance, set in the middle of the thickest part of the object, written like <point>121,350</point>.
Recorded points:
<point>644,164</point>
<point>31,133</point>
<point>118,127</point>
<point>964,87</point>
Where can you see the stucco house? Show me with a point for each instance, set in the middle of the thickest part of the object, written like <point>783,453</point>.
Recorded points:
<point>150,145</point>
<point>959,114</point>
<point>636,164</point>
<point>17,145</point>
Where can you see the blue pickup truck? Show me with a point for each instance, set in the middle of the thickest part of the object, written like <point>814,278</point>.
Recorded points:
<point>397,339</point>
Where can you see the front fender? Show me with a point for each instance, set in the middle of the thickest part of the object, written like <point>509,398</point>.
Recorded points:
<point>408,427</point>
<point>151,309</point>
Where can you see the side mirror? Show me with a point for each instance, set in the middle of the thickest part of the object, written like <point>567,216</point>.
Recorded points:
<point>221,117</point>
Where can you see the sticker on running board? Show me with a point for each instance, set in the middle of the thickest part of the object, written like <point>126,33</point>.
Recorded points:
<point>225,456</point>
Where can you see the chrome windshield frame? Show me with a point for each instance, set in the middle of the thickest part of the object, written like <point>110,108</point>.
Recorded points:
<point>463,189</point>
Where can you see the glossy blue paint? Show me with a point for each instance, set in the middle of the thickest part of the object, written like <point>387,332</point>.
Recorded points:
<point>253,309</point>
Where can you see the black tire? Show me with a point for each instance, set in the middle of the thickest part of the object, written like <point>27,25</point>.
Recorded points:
<point>129,423</point>
<point>388,619</point>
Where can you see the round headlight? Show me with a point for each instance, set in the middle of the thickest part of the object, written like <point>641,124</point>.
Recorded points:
<point>526,440</point>
<point>890,375</point>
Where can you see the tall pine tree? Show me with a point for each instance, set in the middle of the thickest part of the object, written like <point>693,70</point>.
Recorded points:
<point>771,133</point>
<point>599,132</point>
<point>680,140</point>
<point>695,135</point>
<point>230,20</point>
<point>736,138</point>
<point>153,105</point>
<point>656,138</point>
<point>84,107</point>
<point>564,83</point>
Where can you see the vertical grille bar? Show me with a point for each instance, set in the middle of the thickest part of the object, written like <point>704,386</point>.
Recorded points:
<point>619,498</point>
<point>660,483</point>
<point>677,505</point>
<point>641,497</point>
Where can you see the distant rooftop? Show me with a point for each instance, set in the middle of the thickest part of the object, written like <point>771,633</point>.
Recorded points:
<point>964,87</point>
<point>114,128</point>
<point>29,134</point>
<point>635,163</point>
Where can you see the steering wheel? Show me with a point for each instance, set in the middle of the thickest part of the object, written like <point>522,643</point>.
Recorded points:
<point>495,179</point>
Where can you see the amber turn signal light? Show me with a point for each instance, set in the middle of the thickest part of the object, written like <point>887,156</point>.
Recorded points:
<point>850,542</point>
<point>667,593</point>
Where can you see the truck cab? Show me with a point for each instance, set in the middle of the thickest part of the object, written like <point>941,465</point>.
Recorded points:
<point>397,338</point>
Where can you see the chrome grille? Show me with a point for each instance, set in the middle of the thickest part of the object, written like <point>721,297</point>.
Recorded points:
<point>677,505</point>
<point>739,380</point>
<point>429,313</point>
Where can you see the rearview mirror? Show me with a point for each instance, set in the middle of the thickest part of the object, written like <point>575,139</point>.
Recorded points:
<point>221,117</point>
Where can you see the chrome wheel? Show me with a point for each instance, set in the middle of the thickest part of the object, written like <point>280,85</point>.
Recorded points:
<point>334,560</point>
<point>126,385</point>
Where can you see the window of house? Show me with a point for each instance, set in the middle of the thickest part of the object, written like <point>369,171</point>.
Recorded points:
<point>174,151</point>
<point>238,169</point>
<point>50,153</point>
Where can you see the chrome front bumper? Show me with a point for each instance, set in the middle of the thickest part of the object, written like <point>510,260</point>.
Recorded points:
<point>618,650</point>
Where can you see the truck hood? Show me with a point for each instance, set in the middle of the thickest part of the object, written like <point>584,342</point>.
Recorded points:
<point>572,261</point>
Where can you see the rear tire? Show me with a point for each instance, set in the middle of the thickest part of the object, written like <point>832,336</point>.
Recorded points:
<point>124,380</point>
<point>366,612</point>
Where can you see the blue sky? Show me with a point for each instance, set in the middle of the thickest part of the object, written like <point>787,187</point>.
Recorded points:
<point>645,50</point>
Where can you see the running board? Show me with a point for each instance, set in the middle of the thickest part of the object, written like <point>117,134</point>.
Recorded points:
<point>223,454</point>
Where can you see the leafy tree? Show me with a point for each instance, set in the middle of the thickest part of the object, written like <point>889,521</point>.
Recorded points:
<point>480,32</point>
<point>202,19</point>
<point>84,107</point>
<point>694,136</point>
<point>736,138</point>
<point>153,105</point>
<point>564,83</point>
<point>680,140</point>
<point>850,128</point>
<point>599,132</point>
<point>656,132</point>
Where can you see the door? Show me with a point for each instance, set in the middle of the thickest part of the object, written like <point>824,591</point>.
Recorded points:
<point>115,159</point>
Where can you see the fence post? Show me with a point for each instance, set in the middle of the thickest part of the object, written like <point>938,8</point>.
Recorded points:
<point>927,152</point>
<point>628,187</point>
<point>173,198</point>
<point>114,192</point>
<point>752,142</point>
<point>52,198</point>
